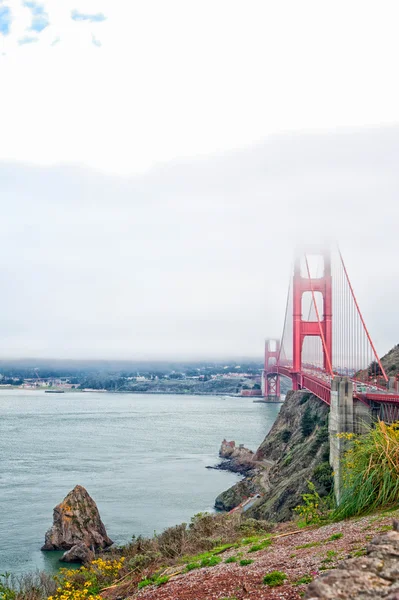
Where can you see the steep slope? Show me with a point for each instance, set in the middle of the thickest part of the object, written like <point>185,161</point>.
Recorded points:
<point>295,451</point>
<point>390,361</point>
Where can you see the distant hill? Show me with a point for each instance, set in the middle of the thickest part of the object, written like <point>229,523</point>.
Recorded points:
<point>390,361</point>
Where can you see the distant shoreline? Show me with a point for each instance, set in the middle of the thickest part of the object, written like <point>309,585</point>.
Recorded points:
<point>154,393</point>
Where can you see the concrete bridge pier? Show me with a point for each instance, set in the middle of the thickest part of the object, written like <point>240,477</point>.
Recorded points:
<point>346,416</point>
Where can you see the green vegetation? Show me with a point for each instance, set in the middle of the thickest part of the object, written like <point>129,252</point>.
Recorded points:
<point>305,398</point>
<point>245,562</point>
<point>286,435</point>
<point>308,422</point>
<point>335,536</point>
<point>359,553</point>
<point>29,586</point>
<point>322,475</point>
<point>274,578</point>
<point>330,556</point>
<point>370,471</point>
<point>303,580</point>
<point>231,559</point>
<point>309,545</point>
<point>153,581</point>
<point>261,545</point>
<point>315,509</point>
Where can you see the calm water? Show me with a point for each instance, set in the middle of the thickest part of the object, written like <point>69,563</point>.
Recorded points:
<point>141,457</point>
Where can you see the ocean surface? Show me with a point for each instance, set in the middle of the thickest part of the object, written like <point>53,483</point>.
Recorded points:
<point>141,457</point>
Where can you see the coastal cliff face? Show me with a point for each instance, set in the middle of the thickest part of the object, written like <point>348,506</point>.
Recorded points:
<point>76,522</point>
<point>295,451</point>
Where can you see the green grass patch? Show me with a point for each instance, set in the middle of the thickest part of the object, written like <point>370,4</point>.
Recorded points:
<point>274,578</point>
<point>207,561</point>
<point>303,580</point>
<point>330,556</point>
<point>193,565</point>
<point>261,545</point>
<point>231,559</point>
<point>250,540</point>
<point>309,545</point>
<point>153,581</point>
<point>245,562</point>
<point>210,562</point>
<point>335,536</point>
<point>161,580</point>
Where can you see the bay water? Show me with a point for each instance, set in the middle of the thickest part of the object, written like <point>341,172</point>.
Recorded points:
<point>141,457</point>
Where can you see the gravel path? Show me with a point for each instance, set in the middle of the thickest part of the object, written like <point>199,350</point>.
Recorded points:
<point>287,554</point>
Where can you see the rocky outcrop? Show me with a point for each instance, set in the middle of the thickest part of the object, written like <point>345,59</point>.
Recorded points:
<point>238,459</point>
<point>373,576</point>
<point>295,451</point>
<point>78,554</point>
<point>76,521</point>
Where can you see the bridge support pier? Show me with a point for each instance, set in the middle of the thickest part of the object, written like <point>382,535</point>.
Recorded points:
<point>340,421</point>
<point>347,415</point>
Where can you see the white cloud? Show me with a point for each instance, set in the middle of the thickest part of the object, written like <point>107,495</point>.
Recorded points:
<point>193,258</point>
<point>183,78</point>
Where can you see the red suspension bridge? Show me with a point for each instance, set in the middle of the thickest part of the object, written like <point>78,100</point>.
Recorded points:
<point>325,336</point>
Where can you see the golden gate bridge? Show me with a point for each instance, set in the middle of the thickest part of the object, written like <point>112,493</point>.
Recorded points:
<point>325,336</point>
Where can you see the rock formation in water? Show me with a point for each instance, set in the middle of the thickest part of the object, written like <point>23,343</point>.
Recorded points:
<point>78,554</point>
<point>295,451</point>
<point>76,521</point>
<point>238,459</point>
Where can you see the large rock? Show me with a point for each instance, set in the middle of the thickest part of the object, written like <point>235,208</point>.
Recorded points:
<point>76,521</point>
<point>373,576</point>
<point>238,459</point>
<point>78,554</point>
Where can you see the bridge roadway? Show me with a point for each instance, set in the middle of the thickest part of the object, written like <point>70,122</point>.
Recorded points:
<point>319,383</point>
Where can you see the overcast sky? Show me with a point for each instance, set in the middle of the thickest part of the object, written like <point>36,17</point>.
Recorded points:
<point>159,162</point>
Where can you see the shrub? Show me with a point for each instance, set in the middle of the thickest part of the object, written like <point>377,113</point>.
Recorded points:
<point>171,541</point>
<point>304,398</point>
<point>29,586</point>
<point>88,580</point>
<point>370,471</point>
<point>314,509</point>
<point>286,435</point>
<point>274,578</point>
<point>6,591</point>
<point>246,561</point>
<point>231,559</point>
<point>251,526</point>
<point>323,476</point>
<point>308,422</point>
<point>288,459</point>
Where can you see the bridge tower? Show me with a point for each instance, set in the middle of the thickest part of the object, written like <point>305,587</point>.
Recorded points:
<point>271,381</point>
<point>322,327</point>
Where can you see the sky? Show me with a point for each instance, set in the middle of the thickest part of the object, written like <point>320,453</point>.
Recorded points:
<point>160,162</point>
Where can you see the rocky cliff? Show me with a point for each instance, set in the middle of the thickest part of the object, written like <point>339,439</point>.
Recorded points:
<point>295,451</point>
<point>76,522</point>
